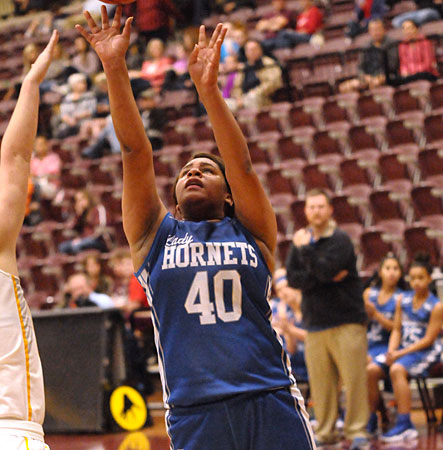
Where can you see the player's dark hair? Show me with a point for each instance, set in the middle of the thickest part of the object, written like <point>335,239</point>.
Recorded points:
<point>229,209</point>
<point>422,259</point>
<point>376,280</point>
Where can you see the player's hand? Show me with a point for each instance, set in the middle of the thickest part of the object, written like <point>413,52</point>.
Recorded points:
<point>205,58</point>
<point>107,40</point>
<point>41,64</point>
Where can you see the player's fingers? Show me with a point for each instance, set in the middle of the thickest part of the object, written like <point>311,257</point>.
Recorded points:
<point>105,18</point>
<point>127,29</point>
<point>215,35</point>
<point>83,32</point>
<point>117,18</point>
<point>202,36</point>
<point>194,55</point>
<point>91,22</point>
<point>52,42</point>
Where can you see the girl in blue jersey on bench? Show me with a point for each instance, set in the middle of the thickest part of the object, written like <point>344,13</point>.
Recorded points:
<point>380,301</point>
<point>414,344</point>
<point>206,270</point>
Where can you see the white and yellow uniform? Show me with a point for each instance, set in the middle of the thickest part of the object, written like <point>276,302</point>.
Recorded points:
<point>22,401</point>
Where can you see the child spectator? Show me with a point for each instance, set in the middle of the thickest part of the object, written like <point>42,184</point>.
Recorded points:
<point>380,301</point>
<point>414,343</point>
<point>89,224</point>
<point>45,168</point>
<point>99,281</point>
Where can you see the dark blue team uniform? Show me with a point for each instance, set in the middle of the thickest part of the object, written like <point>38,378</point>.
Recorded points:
<point>226,378</point>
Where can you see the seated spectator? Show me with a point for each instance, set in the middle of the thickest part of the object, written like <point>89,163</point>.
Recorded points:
<point>228,6</point>
<point>260,78</point>
<point>32,211</point>
<point>231,70</point>
<point>134,59</point>
<point>45,168</point>
<point>89,224</point>
<point>380,299</point>
<point>177,77</point>
<point>276,20</point>
<point>427,11</point>
<point>155,67</point>
<point>230,45</point>
<point>29,55</point>
<point>416,56</point>
<point>153,120</point>
<point>414,344</point>
<point>309,22</point>
<point>79,293</point>
<point>240,35</point>
<point>58,72</point>
<point>154,19</point>
<point>372,67</point>
<point>92,127</point>
<point>76,107</point>
<point>84,60</point>
<point>98,281</point>
<point>365,11</point>
<point>127,292</point>
<point>287,321</point>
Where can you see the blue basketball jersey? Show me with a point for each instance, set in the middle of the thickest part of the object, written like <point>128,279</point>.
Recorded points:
<point>415,322</point>
<point>208,286</point>
<point>377,334</point>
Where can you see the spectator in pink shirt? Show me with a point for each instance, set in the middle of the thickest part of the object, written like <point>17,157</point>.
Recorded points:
<point>416,55</point>
<point>45,169</point>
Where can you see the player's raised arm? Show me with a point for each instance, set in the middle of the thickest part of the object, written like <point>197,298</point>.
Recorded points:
<point>142,208</point>
<point>252,206</point>
<point>16,152</point>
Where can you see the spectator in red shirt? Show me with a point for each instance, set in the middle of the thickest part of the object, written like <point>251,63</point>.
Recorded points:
<point>416,56</point>
<point>309,22</point>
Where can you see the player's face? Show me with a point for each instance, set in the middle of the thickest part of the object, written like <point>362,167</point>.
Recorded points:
<point>419,279</point>
<point>318,211</point>
<point>201,190</point>
<point>390,272</point>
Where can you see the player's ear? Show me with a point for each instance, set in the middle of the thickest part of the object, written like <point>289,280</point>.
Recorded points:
<point>178,213</point>
<point>229,200</point>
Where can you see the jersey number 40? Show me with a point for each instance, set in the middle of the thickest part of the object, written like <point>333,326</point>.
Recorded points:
<point>199,302</point>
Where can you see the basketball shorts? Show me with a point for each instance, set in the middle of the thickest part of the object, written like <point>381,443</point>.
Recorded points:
<point>270,420</point>
<point>21,435</point>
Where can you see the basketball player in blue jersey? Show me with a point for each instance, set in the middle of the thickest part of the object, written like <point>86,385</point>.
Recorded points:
<point>414,344</point>
<point>22,400</point>
<point>380,301</point>
<point>206,271</point>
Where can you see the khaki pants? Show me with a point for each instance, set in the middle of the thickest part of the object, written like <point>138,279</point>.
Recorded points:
<point>333,354</point>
